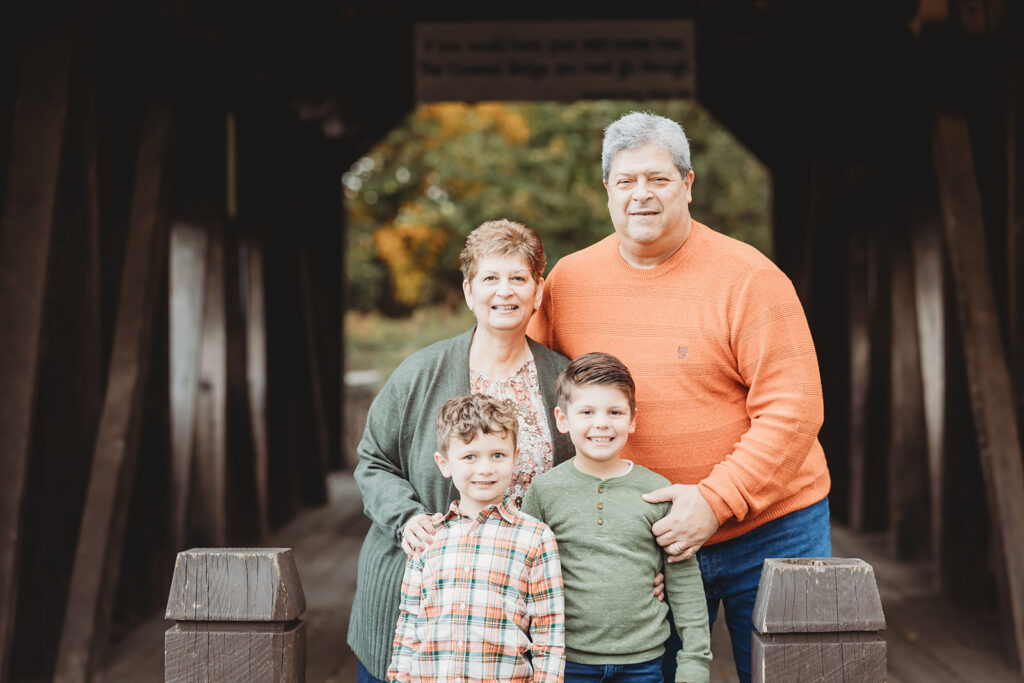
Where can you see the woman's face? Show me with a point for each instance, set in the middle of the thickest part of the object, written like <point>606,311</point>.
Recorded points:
<point>503,294</point>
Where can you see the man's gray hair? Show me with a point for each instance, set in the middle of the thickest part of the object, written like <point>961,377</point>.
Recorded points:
<point>636,129</point>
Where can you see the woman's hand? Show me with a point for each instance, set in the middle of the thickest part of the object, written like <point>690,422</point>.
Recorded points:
<point>659,587</point>
<point>419,533</point>
<point>690,523</point>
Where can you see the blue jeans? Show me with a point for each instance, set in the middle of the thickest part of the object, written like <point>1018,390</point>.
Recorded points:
<point>642,672</point>
<point>732,571</point>
<point>364,676</point>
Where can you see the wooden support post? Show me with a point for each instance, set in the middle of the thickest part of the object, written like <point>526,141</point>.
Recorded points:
<point>210,501</point>
<point>69,387</point>
<point>253,302</point>
<point>814,218</point>
<point>991,394</point>
<point>189,255</point>
<point>908,452</point>
<point>25,228</point>
<point>869,339</point>
<point>859,306</point>
<point>929,303</point>
<point>236,615</point>
<point>1014,98</point>
<point>818,620</point>
<point>315,475</point>
<point>98,555</point>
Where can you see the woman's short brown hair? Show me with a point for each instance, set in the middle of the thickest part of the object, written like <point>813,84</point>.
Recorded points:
<point>505,238</point>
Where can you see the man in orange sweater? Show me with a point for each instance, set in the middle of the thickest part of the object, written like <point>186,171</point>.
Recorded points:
<point>727,377</point>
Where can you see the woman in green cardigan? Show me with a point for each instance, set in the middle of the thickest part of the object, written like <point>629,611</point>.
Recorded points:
<point>503,269</point>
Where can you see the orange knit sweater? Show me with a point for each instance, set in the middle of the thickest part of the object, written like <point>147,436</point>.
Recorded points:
<point>728,390</point>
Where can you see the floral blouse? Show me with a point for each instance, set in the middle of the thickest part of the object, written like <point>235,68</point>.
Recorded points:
<point>522,388</point>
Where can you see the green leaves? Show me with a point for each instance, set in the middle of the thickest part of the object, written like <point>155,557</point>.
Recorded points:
<point>452,166</point>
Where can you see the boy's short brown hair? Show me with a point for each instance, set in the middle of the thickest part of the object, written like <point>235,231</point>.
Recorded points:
<point>503,237</point>
<point>466,416</point>
<point>602,369</point>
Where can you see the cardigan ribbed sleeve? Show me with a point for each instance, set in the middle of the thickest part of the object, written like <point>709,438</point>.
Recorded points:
<point>389,498</point>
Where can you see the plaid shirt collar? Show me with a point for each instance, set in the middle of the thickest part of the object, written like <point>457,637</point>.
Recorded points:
<point>506,509</point>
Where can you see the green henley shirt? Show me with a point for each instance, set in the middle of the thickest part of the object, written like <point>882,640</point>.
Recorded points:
<point>609,561</point>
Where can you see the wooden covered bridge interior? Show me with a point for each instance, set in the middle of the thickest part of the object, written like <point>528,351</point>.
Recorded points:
<point>217,132</point>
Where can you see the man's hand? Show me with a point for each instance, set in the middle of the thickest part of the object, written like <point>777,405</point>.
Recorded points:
<point>419,533</point>
<point>690,523</point>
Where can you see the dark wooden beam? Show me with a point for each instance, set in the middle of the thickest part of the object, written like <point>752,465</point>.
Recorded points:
<point>908,490</point>
<point>1014,97</point>
<point>209,504</point>
<point>69,388</point>
<point>816,184</point>
<point>868,323</point>
<point>991,394</point>
<point>316,472</point>
<point>25,229</point>
<point>859,306</point>
<point>98,556</point>
<point>254,305</point>
<point>930,310</point>
<point>189,254</point>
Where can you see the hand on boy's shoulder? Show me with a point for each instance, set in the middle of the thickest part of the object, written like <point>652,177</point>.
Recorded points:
<point>419,532</point>
<point>689,524</point>
<point>652,482</point>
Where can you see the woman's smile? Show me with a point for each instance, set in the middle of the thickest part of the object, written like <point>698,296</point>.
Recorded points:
<point>502,294</point>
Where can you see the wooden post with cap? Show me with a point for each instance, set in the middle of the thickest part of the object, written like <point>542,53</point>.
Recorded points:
<point>818,619</point>
<point>236,613</point>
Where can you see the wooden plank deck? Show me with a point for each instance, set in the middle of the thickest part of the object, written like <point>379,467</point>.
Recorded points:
<point>929,640</point>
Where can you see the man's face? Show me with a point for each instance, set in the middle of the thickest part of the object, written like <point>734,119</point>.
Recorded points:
<point>648,201</point>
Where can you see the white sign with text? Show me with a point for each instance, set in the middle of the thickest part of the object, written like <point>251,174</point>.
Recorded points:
<point>555,60</point>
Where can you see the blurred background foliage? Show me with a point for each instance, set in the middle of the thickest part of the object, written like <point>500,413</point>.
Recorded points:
<point>451,166</point>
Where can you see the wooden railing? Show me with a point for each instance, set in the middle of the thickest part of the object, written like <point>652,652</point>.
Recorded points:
<point>236,613</point>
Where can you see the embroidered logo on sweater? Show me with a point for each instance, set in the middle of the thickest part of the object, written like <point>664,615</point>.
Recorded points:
<point>683,351</point>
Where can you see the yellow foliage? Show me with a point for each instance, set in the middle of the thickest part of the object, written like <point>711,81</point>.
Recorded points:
<point>451,116</point>
<point>557,145</point>
<point>455,118</point>
<point>510,124</point>
<point>411,249</point>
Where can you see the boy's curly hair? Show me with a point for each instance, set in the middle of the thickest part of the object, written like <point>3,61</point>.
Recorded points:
<point>466,416</point>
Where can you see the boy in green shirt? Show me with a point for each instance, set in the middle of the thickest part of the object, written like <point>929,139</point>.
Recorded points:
<point>615,628</point>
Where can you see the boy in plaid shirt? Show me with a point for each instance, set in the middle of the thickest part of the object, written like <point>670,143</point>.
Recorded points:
<point>484,601</point>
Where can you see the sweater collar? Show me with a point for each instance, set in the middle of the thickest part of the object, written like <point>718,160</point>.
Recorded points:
<point>681,256</point>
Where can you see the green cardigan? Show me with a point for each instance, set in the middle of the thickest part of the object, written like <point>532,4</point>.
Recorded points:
<point>398,477</point>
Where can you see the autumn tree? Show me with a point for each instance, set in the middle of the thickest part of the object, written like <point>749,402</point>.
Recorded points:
<point>413,199</point>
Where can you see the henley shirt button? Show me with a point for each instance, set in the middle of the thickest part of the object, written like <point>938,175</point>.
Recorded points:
<point>600,521</point>
<point>600,489</point>
<point>600,506</point>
